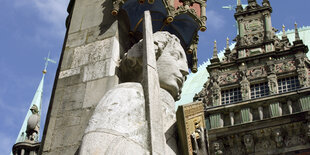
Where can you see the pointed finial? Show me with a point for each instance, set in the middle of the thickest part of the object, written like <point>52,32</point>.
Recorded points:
<point>47,59</point>
<point>296,32</point>
<point>215,50</point>
<point>284,33</point>
<point>227,43</point>
<point>238,2</point>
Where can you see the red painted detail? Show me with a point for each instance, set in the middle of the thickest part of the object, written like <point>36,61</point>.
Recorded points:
<point>195,6</point>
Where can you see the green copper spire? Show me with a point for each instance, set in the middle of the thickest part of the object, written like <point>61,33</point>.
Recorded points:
<point>36,101</point>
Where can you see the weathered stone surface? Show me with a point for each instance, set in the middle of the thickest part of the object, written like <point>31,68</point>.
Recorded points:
<point>119,123</point>
<point>96,89</point>
<point>69,72</point>
<point>169,122</point>
<point>88,70</point>
<point>99,70</point>
<point>94,52</point>
<point>76,39</point>
<point>73,97</point>
<point>64,136</point>
<point>118,115</point>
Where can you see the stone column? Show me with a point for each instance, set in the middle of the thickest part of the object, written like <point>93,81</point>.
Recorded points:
<point>260,113</point>
<point>232,120</point>
<point>290,108</point>
<point>268,24</point>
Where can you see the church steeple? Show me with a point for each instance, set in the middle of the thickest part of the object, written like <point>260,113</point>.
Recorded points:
<point>32,119</point>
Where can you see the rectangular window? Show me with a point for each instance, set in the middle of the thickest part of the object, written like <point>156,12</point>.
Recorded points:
<point>231,95</point>
<point>259,90</point>
<point>288,84</point>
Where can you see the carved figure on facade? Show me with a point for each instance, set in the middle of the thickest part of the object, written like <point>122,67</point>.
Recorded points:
<point>249,143</point>
<point>302,72</point>
<point>218,147</point>
<point>198,140</point>
<point>308,131</point>
<point>33,124</point>
<point>271,69</point>
<point>266,3</point>
<point>245,87</point>
<point>278,44</point>
<point>216,92</point>
<point>303,78</point>
<point>127,101</point>
<point>252,5</point>
<point>273,84</point>
<point>278,137</point>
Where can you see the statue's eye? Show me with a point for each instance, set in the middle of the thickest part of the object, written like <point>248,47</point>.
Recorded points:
<point>175,55</point>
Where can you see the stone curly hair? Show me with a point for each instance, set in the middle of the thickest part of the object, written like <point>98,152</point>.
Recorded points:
<point>131,64</point>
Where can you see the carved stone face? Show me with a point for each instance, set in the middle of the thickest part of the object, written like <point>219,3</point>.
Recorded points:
<point>171,63</point>
<point>248,140</point>
<point>172,69</point>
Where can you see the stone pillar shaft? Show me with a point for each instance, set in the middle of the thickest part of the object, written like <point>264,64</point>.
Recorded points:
<point>151,89</point>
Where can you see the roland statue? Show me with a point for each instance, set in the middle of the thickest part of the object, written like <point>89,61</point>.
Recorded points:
<point>118,125</point>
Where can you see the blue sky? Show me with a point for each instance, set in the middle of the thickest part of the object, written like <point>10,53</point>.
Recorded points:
<point>31,28</point>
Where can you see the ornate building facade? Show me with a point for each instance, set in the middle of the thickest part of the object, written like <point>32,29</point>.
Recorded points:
<point>257,97</point>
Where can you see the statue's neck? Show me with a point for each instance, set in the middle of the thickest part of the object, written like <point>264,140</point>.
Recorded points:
<point>166,97</point>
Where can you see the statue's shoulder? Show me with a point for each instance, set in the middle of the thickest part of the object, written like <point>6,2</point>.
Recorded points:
<point>125,93</point>
<point>124,90</point>
<point>123,104</point>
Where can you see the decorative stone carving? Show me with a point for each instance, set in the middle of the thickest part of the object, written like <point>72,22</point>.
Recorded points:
<point>218,147</point>
<point>256,72</point>
<point>228,78</point>
<point>245,88</point>
<point>271,69</point>
<point>33,125</point>
<point>285,67</point>
<point>198,140</point>
<point>216,93</point>
<point>273,84</point>
<point>278,137</point>
<point>194,9</point>
<point>302,72</point>
<point>308,130</point>
<point>249,143</point>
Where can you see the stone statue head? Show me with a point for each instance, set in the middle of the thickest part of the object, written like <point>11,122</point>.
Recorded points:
<point>34,109</point>
<point>171,63</point>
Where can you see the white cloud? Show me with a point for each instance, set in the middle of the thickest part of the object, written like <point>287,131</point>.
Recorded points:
<point>215,20</point>
<point>53,12</point>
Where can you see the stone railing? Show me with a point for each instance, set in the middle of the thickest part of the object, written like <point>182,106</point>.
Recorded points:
<point>258,109</point>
